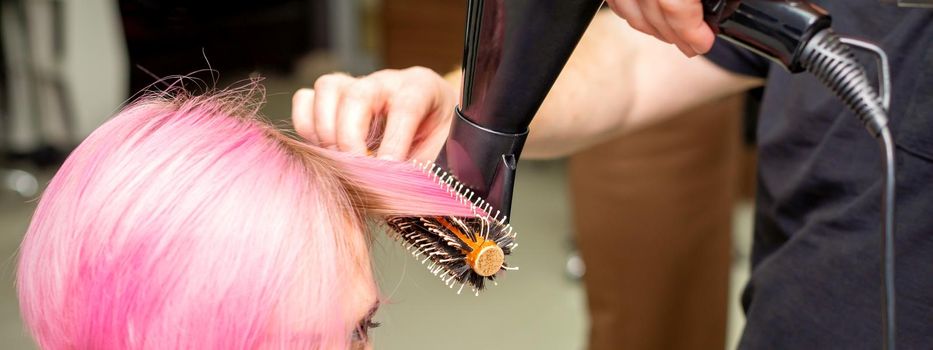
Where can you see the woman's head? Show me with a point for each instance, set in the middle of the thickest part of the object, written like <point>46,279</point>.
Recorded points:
<point>188,223</point>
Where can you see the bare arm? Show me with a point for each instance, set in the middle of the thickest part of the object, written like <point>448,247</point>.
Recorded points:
<point>619,80</point>
<point>616,81</point>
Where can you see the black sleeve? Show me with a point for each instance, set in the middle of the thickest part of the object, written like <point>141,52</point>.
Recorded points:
<point>737,59</point>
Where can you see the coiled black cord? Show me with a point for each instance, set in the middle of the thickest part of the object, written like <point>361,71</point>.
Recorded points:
<point>831,60</point>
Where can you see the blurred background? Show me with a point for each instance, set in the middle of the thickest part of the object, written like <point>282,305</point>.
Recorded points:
<point>69,65</point>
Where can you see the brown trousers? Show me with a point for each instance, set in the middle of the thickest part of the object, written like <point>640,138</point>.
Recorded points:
<point>652,212</point>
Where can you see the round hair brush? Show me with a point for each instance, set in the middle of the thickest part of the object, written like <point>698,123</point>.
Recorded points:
<point>464,250</point>
<point>503,85</point>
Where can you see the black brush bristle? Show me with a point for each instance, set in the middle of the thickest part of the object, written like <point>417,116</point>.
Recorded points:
<point>447,242</point>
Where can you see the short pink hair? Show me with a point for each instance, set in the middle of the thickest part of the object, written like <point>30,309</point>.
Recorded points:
<point>188,223</point>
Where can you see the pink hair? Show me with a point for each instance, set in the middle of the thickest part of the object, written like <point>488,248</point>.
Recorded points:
<point>188,223</point>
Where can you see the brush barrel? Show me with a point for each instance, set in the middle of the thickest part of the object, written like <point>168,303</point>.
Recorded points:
<point>488,260</point>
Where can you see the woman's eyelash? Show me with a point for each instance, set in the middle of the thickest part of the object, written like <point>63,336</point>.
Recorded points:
<point>361,332</point>
<point>370,324</point>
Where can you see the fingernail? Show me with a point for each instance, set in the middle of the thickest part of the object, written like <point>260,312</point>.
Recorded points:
<point>388,157</point>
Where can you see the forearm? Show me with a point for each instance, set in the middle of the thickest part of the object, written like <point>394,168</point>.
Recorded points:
<point>591,91</point>
<point>617,81</point>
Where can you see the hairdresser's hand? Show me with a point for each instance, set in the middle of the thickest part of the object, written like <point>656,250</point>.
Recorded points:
<point>678,22</point>
<point>416,104</point>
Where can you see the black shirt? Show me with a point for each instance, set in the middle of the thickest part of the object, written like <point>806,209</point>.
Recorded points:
<point>815,280</point>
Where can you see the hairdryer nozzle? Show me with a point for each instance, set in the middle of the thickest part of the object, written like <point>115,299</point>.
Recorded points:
<point>513,52</point>
<point>484,159</point>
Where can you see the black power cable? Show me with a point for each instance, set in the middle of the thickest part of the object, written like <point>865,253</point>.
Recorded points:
<point>829,58</point>
<point>797,35</point>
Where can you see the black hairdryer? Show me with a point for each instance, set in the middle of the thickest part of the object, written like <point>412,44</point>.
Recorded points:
<point>514,50</point>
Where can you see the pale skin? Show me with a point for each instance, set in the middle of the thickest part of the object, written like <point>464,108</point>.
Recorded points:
<point>617,80</point>
<point>363,303</point>
<point>677,22</point>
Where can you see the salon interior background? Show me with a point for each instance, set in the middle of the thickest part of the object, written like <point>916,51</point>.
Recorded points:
<point>68,64</point>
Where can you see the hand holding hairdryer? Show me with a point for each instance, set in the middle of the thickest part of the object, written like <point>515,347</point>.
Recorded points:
<point>678,22</point>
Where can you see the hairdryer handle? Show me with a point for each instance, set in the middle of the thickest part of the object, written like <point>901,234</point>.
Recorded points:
<point>776,29</point>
